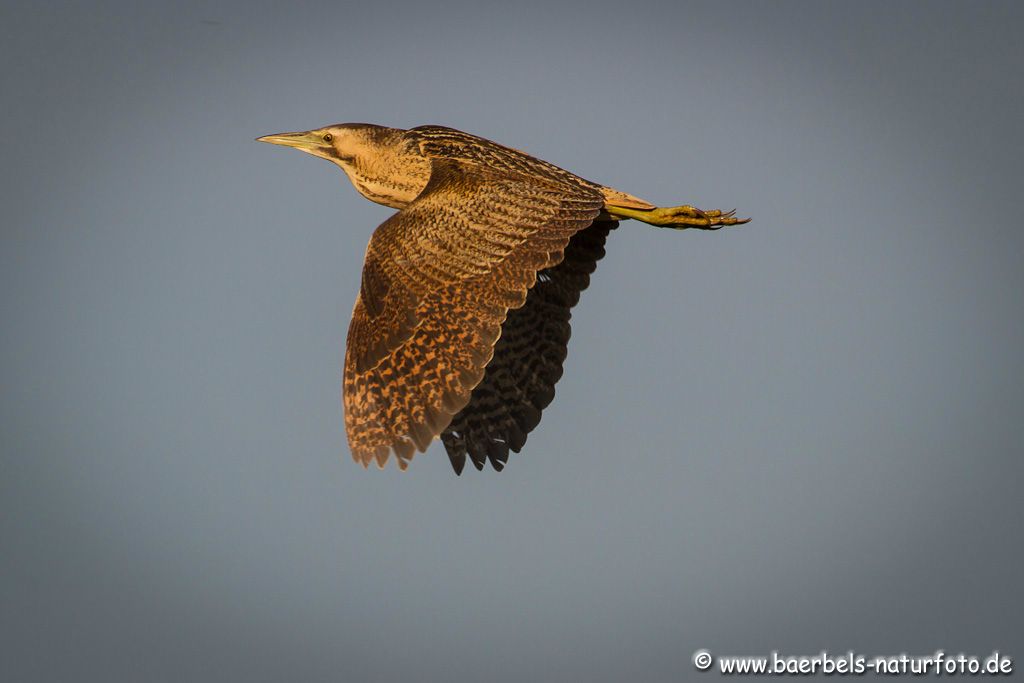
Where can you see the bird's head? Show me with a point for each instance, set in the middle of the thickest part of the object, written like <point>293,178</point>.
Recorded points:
<point>342,143</point>
<point>384,165</point>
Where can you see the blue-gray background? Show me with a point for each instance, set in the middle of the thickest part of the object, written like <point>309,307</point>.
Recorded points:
<point>802,434</point>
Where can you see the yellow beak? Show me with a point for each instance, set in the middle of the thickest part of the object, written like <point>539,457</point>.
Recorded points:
<point>307,141</point>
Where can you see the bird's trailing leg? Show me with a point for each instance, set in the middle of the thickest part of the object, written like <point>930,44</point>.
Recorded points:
<point>678,217</point>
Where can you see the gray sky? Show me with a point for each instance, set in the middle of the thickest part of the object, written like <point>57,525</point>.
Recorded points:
<point>803,434</point>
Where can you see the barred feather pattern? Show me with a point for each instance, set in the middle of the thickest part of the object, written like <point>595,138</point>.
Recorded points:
<point>439,279</point>
<point>519,382</point>
<point>441,142</point>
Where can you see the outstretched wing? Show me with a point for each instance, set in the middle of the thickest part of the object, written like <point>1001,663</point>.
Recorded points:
<point>438,281</point>
<point>520,379</point>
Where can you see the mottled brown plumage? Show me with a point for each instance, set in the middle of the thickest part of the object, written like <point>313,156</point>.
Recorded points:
<point>520,380</point>
<point>462,319</point>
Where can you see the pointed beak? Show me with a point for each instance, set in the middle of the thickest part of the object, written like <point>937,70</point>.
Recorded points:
<point>306,140</point>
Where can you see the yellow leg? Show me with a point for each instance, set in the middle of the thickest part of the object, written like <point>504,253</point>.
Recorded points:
<point>678,217</point>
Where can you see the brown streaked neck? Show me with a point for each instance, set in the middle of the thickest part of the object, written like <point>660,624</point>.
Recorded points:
<point>387,168</point>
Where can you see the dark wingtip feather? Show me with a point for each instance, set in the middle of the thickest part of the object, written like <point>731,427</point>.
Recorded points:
<point>458,463</point>
<point>478,454</point>
<point>497,452</point>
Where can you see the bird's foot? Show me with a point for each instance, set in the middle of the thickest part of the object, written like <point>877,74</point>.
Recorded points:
<point>686,216</point>
<point>680,217</point>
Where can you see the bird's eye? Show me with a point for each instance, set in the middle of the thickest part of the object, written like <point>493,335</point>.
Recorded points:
<point>328,137</point>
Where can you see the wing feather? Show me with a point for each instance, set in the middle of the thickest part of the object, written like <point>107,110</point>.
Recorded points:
<point>438,281</point>
<point>520,379</point>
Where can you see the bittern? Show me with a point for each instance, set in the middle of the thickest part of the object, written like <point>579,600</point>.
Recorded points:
<point>462,319</point>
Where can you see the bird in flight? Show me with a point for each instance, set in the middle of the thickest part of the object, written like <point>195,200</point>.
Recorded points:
<point>461,324</point>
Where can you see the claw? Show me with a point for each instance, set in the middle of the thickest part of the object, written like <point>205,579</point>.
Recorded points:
<point>720,219</point>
